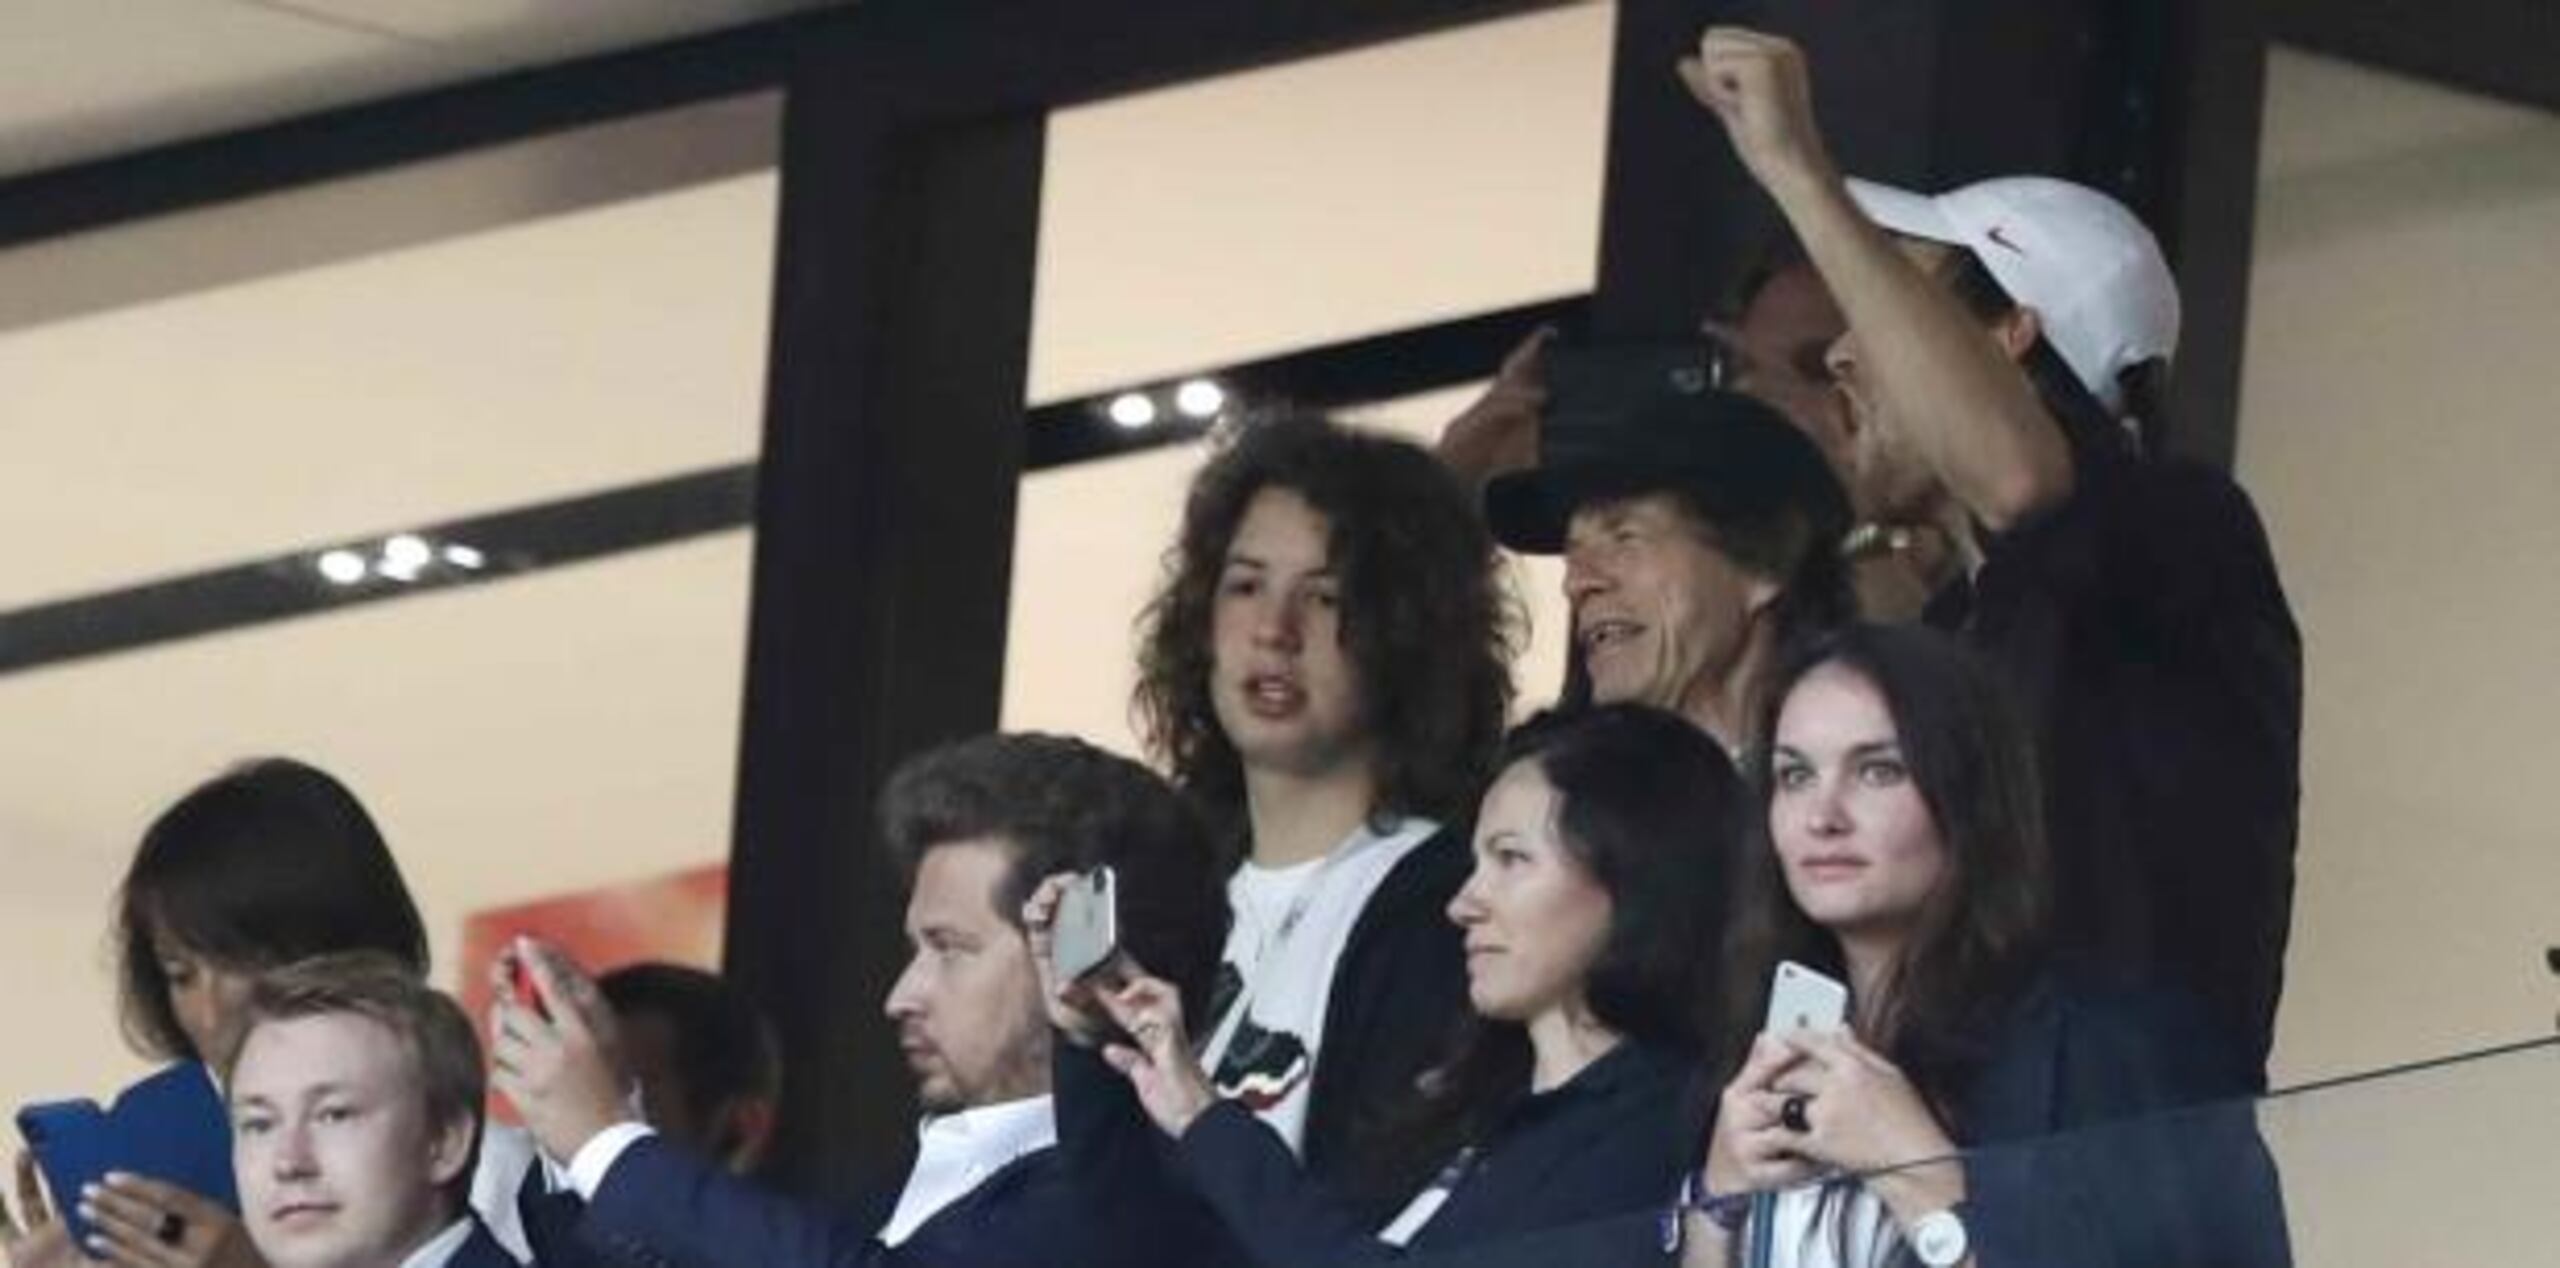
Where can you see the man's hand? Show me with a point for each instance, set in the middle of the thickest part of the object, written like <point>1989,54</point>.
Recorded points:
<point>1759,89</point>
<point>1499,432</point>
<point>560,1063</point>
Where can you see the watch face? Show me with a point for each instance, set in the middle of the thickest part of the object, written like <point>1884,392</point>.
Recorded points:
<point>1938,1239</point>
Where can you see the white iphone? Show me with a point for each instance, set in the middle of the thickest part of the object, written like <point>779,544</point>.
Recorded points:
<point>1086,932</point>
<point>1802,999</point>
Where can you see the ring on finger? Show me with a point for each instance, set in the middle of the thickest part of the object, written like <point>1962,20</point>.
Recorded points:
<point>171,1230</point>
<point>1791,1113</point>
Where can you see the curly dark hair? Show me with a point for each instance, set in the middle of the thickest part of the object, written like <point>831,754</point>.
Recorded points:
<point>1064,805</point>
<point>1426,623</point>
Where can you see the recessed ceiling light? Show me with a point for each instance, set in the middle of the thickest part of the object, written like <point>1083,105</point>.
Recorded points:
<point>1199,398</point>
<point>1133,410</point>
<point>341,567</point>
<point>407,551</point>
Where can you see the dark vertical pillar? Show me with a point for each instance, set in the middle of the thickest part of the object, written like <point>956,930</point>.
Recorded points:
<point>2211,90</point>
<point>893,448</point>
<point>1676,209</point>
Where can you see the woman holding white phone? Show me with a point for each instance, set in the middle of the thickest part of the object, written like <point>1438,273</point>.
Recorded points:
<point>1591,920</point>
<point>1903,853</point>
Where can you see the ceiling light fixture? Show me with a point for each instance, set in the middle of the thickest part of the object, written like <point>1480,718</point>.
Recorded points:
<point>1133,410</point>
<point>1199,399</point>
<point>341,567</point>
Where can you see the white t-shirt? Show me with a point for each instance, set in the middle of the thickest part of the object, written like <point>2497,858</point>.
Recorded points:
<point>1276,977</point>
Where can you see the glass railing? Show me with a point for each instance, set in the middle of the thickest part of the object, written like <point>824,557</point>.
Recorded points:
<point>2447,1162</point>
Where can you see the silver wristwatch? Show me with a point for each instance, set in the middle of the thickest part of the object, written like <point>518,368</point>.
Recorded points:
<point>1939,1240</point>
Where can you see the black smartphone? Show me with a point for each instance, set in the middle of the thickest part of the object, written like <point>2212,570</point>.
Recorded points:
<point>1595,387</point>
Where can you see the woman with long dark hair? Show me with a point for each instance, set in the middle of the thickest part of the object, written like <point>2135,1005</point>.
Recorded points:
<point>1902,853</point>
<point>1590,923</point>
<point>264,865</point>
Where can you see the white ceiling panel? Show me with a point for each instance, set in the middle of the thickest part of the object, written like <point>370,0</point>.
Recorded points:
<point>89,79</point>
<point>80,78</point>
<point>562,27</point>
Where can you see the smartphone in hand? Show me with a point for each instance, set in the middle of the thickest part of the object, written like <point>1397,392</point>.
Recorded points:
<point>520,982</point>
<point>1802,999</point>
<point>1086,932</point>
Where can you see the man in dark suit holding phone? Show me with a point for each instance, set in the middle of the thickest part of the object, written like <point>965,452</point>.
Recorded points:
<point>997,1179</point>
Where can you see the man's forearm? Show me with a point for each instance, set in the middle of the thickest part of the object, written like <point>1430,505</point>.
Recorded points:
<point>1962,404</point>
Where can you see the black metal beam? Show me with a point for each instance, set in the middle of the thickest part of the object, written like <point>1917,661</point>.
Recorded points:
<point>424,125</point>
<point>892,452</point>
<point>2497,48</point>
<point>2202,101</point>
<point>504,544</point>
<point>1678,215</point>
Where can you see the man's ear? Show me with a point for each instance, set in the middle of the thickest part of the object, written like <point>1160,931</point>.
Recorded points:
<point>449,1150</point>
<point>1758,593</point>
<point>2017,331</point>
<point>745,1133</point>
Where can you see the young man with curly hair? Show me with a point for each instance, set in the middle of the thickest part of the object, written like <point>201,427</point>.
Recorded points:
<point>1326,670</point>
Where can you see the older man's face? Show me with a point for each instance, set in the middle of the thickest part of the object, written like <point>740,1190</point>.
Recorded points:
<point>1661,615</point>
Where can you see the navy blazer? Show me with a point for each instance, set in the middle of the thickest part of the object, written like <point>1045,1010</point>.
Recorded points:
<point>1611,1140</point>
<point>1096,1201</point>
<point>481,1250</point>
<point>2115,1126</point>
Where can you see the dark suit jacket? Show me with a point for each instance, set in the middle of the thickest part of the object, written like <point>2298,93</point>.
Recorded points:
<point>1098,1200</point>
<point>1398,994</point>
<point>2112,1126</point>
<point>1611,1140</point>
<point>481,1251</point>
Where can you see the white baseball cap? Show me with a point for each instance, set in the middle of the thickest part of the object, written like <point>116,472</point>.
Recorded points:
<point>2091,271</point>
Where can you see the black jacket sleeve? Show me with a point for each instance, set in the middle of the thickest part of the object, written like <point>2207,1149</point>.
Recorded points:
<point>660,1205</point>
<point>1398,998</point>
<point>1283,1217</point>
<point>2118,1130</point>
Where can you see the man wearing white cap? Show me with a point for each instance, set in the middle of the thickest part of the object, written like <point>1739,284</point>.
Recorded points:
<point>2002,339</point>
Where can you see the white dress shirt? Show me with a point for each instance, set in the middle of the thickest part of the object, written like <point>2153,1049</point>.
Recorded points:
<point>441,1247</point>
<point>955,1153</point>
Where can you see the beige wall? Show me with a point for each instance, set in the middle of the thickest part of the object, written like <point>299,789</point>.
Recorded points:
<point>2397,428</point>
